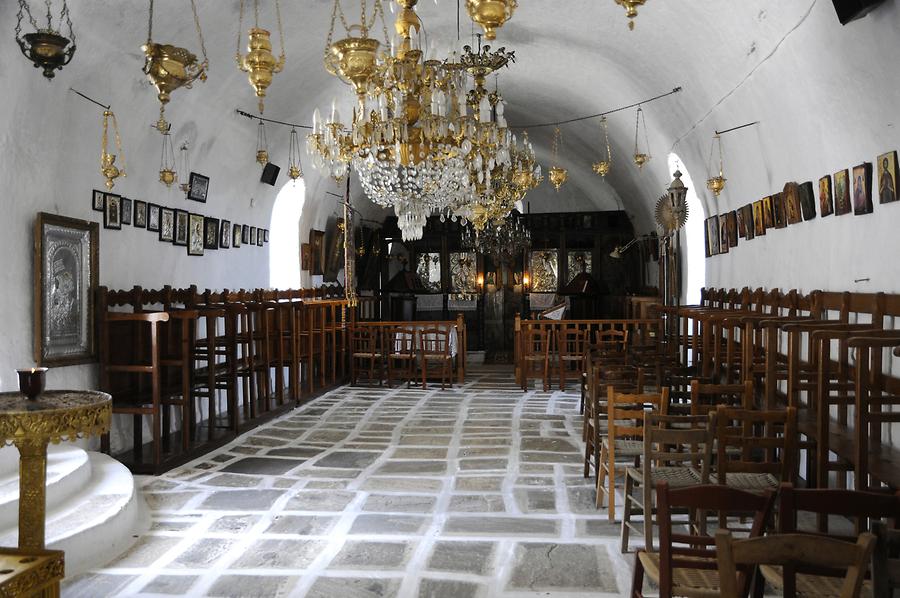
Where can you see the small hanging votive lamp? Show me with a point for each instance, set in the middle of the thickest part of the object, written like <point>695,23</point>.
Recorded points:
<point>169,67</point>
<point>641,158</point>
<point>558,174</point>
<point>295,170</point>
<point>716,183</point>
<point>262,145</point>
<point>259,63</point>
<point>108,167</point>
<point>167,174</point>
<point>631,12</point>
<point>184,169</point>
<point>46,47</point>
<point>602,167</point>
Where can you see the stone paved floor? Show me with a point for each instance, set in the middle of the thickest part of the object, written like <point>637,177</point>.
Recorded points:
<point>470,492</point>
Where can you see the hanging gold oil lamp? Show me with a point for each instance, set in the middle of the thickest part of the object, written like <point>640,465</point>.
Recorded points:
<point>602,166</point>
<point>169,67</point>
<point>167,174</point>
<point>558,174</point>
<point>631,12</point>
<point>641,158</point>
<point>46,47</point>
<point>352,59</point>
<point>716,183</point>
<point>262,144</point>
<point>259,63</point>
<point>108,167</point>
<point>184,169</point>
<point>491,14</point>
<point>295,170</point>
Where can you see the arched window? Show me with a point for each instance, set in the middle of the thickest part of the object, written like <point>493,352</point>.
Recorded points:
<point>693,275</point>
<point>284,236</point>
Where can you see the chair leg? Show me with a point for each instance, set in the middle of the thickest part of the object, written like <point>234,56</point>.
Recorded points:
<point>647,506</point>
<point>611,493</point>
<point>637,580</point>
<point>626,512</point>
<point>588,449</point>
<point>601,475</point>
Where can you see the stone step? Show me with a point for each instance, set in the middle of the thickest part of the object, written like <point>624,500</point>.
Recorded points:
<point>95,523</point>
<point>68,471</point>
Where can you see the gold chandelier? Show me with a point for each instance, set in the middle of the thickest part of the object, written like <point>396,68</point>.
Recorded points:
<point>558,174</point>
<point>716,183</point>
<point>631,12</point>
<point>46,47</point>
<point>641,157</point>
<point>259,63</point>
<point>169,67</point>
<point>491,14</point>
<point>108,167</point>
<point>603,165</point>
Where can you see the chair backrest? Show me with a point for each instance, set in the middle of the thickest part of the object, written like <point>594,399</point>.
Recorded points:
<point>434,341</point>
<point>885,560</point>
<point>767,440</point>
<point>402,340</point>
<point>706,398</point>
<point>859,506</point>
<point>677,440</point>
<point>791,551</point>
<point>571,341</point>
<point>695,549</point>
<point>365,339</point>
<point>537,341</point>
<point>626,413</point>
<point>611,339</point>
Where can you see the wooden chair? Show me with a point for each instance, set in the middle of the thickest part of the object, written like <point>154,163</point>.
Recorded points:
<point>791,551</point>
<point>571,349</point>
<point>755,450</point>
<point>610,340</point>
<point>677,450</point>
<point>706,398</point>
<point>624,441</point>
<point>594,423</point>
<point>885,561</point>
<point>536,356</point>
<point>365,350</point>
<point>401,349</point>
<point>686,562</point>
<point>434,351</point>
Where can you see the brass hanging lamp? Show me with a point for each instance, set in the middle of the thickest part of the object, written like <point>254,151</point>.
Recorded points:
<point>353,59</point>
<point>602,166</point>
<point>169,67</point>
<point>558,174</point>
<point>491,14</point>
<point>641,158</point>
<point>259,63</point>
<point>631,12</point>
<point>108,167</point>
<point>167,173</point>
<point>184,169</point>
<point>716,183</point>
<point>262,144</point>
<point>46,47</point>
<point>295,170</point>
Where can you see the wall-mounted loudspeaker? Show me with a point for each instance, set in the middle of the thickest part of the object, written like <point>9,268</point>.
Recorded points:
<point>269,174</point>
<point>850,10</point>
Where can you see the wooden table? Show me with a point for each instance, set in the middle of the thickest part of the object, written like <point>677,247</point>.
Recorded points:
<point>31,425</point>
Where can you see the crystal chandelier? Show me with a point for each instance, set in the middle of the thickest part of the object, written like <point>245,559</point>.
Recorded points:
<point>46,47</point>
<point>169,67</point>
<point>259,63</point>
<point>503,242</point>
<point>411,138</point>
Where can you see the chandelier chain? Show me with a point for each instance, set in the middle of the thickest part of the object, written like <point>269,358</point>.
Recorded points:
<point>23,5</point>
<point>281,57</point>
<point>150,25</point>
<point>256,13</point>
<point>237,54</point>
<point>205,62</point>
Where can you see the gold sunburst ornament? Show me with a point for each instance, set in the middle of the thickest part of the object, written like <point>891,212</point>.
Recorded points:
<point>716,183</point>
<point>631,12</point>
<point>259,63</point>
<point>169,67</point>
<point>558,174</point>
<point>641,157</point>
<point>602,166</point>
<point>491,14</point>
<point>108,167</point>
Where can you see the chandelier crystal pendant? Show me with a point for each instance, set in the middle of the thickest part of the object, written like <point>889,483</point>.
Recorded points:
<point>558,174</point>
<point>108,167</point>
<point>631,11</point>
<point>503,241</point>
<point>262,144</point>
<point>295,170</point>
<point>167,173</point>
<point>259,63</point>
<point>716,183</point>
<point>46,47</point>
<point>491,14</point>
<point>169,67</point>
<point>603,165</point>
<point>641,157</point>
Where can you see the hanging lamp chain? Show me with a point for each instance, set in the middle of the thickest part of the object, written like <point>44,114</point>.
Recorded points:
<point>205,64</point>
